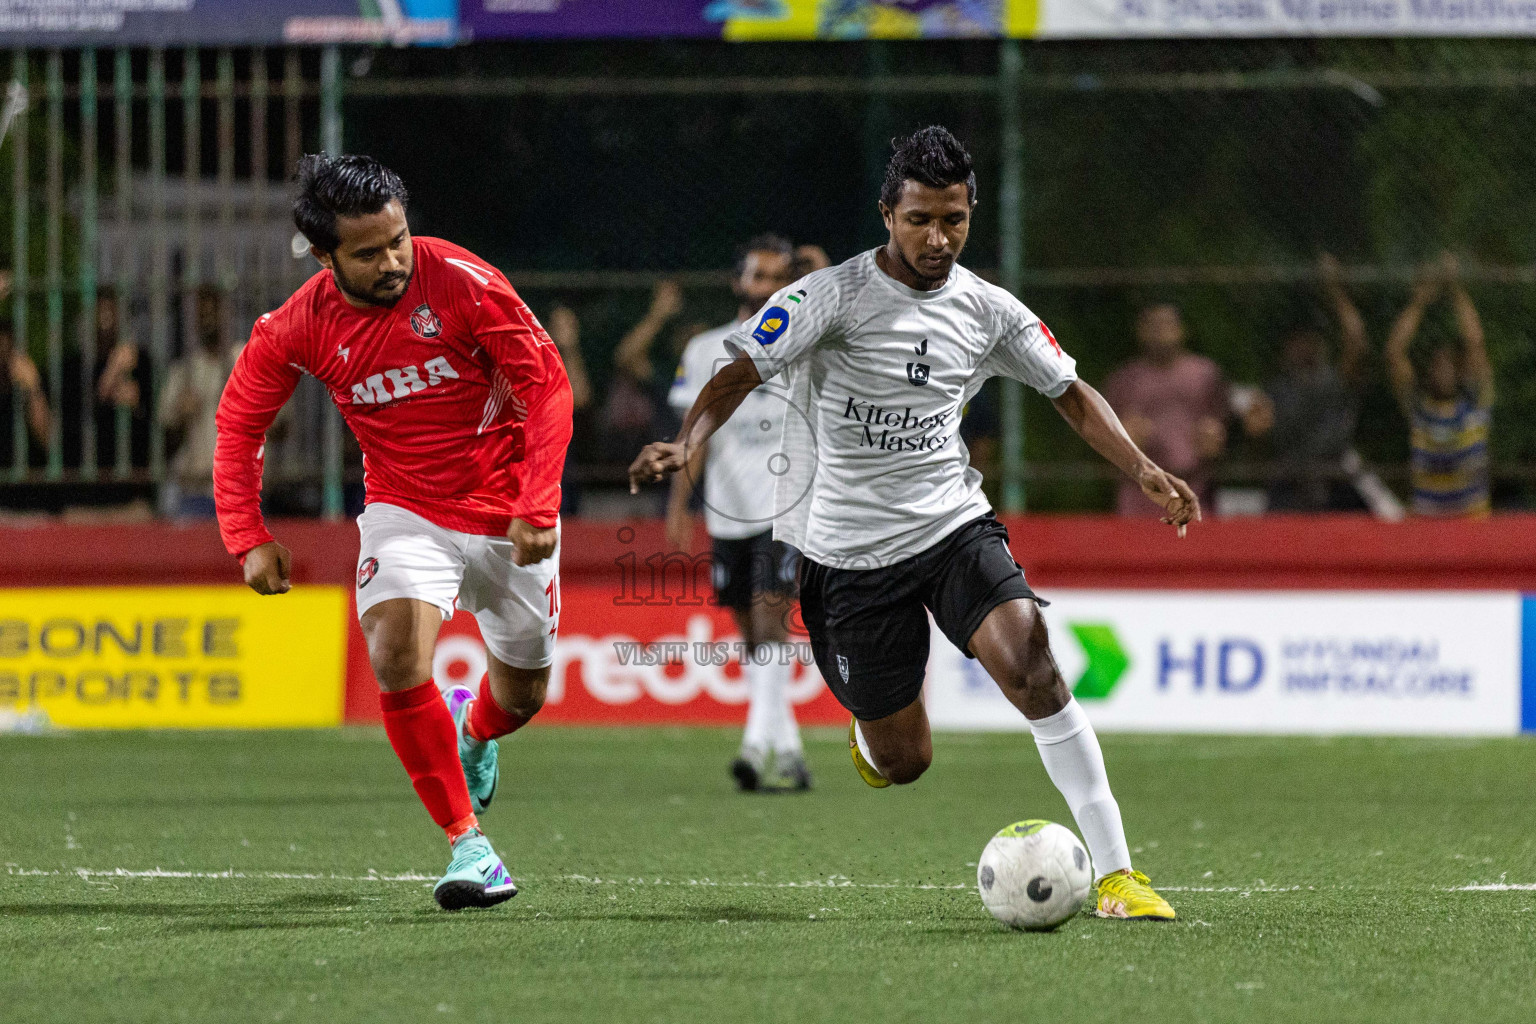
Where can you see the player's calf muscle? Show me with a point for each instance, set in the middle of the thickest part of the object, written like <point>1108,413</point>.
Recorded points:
<point>519,691</point>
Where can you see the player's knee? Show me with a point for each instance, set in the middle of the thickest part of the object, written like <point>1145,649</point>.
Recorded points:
<point>903,762</point>
<point>906,772</point>
<point>398,662</point>
<point>907,768</point>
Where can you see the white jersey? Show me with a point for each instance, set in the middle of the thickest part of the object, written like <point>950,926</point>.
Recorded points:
<point>877,375</point>
<point>739,469</point>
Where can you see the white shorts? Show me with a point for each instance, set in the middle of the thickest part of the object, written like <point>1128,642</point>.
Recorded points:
<point>517,606</point>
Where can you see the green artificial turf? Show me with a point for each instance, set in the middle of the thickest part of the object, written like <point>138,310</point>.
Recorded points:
<point>1315,881</point>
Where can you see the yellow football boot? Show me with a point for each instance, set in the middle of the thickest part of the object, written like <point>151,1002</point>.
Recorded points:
<point>868,772</point>
<point>1131,896</point>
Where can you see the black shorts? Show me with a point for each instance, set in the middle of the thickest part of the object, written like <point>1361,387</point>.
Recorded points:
<point>868,630</point>
<point>753,565</point>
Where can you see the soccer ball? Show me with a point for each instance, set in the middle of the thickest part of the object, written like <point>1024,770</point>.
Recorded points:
<point>1034,875</point>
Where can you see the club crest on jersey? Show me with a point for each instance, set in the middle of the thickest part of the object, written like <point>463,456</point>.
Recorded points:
<point>775,319</point>
<point>917,374</point>
<point>425,322</point>
<point>366,572</point>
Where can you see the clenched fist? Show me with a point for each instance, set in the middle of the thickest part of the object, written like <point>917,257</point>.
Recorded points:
<point>266,568</point>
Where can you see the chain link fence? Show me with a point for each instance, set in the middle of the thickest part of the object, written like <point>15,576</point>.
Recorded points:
<point>1213,174</point>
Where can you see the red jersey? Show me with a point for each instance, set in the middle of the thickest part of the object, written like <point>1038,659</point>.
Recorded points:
<point>457,396</point>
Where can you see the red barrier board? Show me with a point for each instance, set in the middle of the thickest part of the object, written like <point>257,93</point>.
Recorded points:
<point>1271,552</point>
<point>619,664</point>
<point>621,588</point>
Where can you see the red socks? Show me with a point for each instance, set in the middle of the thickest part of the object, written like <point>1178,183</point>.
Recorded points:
<point>487,719</point>
<point>421,731</point>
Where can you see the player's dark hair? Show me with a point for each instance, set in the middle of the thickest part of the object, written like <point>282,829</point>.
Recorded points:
<point>766,242</point>
<point>341,186</point>
<point>930,156</point>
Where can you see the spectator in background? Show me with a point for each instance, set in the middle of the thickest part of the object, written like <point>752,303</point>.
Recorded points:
<point>565,329</point>
<point>1309,409</point>
<point>187,407</point>
<point>117,385</point>
<point>1173,404</point>
<point>119,381</point>
<point>23,406</point>
<point>810,258</point>
<point>1449,404</point>
<point>637,394</point>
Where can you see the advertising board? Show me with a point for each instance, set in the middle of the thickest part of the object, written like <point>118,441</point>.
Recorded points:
<point>195,657</point>
<point>1323,662</point>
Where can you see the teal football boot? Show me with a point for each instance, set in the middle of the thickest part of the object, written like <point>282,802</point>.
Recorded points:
<point>477,758</point>
<point>476,876</point>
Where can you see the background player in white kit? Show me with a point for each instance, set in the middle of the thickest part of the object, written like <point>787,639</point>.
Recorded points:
<point>881,354</point>
<point>753,574</point>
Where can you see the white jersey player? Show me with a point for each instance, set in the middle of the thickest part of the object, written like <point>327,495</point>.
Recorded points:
<point>880,355</point>
<point>753,574</point>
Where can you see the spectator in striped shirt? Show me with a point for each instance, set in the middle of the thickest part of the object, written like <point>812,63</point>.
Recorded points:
<point>1448,399</point>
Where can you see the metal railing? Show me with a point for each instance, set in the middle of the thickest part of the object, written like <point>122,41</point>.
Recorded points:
<point>139,177</point>
<point>135,226</point>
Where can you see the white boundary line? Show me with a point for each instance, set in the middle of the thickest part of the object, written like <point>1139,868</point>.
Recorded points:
<point>830,882</point>
<point>91,874</point>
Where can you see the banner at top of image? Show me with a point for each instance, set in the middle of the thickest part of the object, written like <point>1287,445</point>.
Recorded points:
<point>746,20</point>
<point>439,22</point>
<point>225,22</point>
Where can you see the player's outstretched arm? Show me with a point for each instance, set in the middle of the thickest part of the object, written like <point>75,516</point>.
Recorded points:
<point>679,518</point>
<point>1093,419</point>
<point>720,398</point>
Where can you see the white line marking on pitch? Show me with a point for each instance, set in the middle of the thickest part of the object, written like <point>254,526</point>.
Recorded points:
<point>831,882</point>
<point>88,874</point>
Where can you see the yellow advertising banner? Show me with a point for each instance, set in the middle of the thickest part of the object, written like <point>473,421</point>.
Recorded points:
<point>173,657</point>
<point>880,19</point>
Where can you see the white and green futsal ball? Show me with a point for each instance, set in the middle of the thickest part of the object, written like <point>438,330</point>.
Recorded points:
<point>1034,875</point>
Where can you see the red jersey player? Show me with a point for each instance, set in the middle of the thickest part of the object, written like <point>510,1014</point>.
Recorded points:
<point>461,404</point>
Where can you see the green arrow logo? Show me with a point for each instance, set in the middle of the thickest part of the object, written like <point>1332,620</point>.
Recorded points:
<point>1107,660</point>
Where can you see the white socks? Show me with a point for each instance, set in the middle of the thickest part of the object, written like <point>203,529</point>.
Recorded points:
<point>770,718</point>
<point>1070,751</point>
<point>786,733</point>
<point>858,737</point>
<point>762,713</point>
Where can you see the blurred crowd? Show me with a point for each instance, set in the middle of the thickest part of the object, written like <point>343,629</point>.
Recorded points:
<point>116,427</point>
<point>1181,409</point>
<point>1178,405</point>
